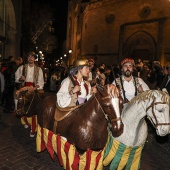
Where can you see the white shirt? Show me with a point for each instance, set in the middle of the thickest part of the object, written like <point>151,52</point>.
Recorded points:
<point>30,76</point>
<point>129,87</point>
<point>63,96</point>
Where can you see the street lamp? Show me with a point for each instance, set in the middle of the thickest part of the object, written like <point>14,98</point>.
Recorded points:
<point>70,51</point>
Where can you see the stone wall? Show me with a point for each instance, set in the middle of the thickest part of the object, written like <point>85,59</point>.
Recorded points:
<point>114,29</point>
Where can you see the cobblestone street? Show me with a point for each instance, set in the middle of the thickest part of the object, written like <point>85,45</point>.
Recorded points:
<point>18,150</point>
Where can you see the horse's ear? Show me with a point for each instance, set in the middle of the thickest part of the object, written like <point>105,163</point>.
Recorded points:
<point>24,92</point>
<point>165,90</point>
<point>101,89</point>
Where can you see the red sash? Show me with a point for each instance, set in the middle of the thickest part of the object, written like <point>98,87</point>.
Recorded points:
<point>29,84</point>
<point>85,85</point>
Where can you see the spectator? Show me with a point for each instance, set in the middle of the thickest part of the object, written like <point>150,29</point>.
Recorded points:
<point>166,80</point>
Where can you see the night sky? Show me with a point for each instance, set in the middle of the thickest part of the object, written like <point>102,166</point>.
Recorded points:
<point>60,17</point>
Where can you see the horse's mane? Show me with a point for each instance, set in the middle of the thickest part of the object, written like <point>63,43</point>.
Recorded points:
<point>29,88</point>
<point>148,94</point>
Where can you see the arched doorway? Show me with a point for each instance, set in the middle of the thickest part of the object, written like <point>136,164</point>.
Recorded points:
<point>140,45</point>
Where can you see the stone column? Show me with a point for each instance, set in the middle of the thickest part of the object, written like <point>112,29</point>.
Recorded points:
<point>11,47</point>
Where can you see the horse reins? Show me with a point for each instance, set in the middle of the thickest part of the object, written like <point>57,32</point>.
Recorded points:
<point>22,109</point>
<point>106,116</point>
<point>152,106</point>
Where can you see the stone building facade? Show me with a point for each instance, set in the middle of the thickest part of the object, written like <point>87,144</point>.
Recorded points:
<point>10,28</point>
<point>109,30</point>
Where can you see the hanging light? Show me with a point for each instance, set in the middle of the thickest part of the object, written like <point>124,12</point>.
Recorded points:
<point>70,51</point>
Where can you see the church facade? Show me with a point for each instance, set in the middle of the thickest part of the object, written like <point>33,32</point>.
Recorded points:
<point>109,30</point>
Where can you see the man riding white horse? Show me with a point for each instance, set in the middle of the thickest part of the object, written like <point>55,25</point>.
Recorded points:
<point>129,85</point>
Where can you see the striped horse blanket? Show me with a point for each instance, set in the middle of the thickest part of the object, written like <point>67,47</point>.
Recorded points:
<point>67,155</point>
<point>120,156</point>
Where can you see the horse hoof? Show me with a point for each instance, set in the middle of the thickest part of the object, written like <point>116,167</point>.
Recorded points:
<point>26,126</point>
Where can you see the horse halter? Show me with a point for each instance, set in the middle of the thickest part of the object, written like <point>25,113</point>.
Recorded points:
<point>106,116</point>
<point>24,99</point>
<point>152,106</point>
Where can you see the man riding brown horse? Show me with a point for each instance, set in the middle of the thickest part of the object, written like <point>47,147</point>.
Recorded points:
<point>30,75</point>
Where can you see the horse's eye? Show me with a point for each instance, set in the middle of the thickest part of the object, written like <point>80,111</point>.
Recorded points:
<point>161,110</point>
<point>107,106</point>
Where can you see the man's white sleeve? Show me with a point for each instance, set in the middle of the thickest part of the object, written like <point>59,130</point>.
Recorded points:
<point>40,79</point>
<point>18,74</point>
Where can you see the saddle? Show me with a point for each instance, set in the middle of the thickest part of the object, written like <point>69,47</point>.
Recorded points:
<point>61,113</point>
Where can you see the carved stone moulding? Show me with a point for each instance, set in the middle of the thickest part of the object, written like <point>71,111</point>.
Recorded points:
<point>110,18</point>
<point>145,10</point>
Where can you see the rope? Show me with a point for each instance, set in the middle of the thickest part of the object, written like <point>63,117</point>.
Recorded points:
<point>30,103</point>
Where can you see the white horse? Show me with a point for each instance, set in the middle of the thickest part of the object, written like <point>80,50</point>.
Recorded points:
<point>125,151</point>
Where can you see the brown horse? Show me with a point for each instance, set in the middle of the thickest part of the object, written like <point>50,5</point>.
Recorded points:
<point>26,101</point>
<point>87,125</point>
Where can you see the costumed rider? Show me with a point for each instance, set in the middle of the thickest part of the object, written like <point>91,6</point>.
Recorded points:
<point>74,89</point>
<point>129,85</point>
<point>30,75</point>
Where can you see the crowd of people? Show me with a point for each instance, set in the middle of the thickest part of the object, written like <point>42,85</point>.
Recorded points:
<point>132,78</point>
<point>129,77</point>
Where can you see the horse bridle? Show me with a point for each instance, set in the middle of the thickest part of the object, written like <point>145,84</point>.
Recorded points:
<point>152,106</point>
<point>24,99</point>
<point>106,116</point>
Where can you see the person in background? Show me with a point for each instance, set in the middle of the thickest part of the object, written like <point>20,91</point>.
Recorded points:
<point>77,92</point>
<point>102,66</point>
<point>129,85</point>
<point>53,81</point>
<point>166,80</point>
<point>9,77</point>
<point>156,76</point>
<point>11,58</point>
<point>91,66</point>
<point>144,73</point>
<point>100,76</point>
<point>19,61</point>
<point>139,66</point>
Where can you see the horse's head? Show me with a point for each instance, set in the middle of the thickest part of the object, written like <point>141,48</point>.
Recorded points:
<point>111,103</point>
<point>22,100</point>
<point>158,112</point>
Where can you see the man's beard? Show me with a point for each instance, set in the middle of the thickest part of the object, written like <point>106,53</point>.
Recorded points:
<point>30,61</point>
<point>127,73</point>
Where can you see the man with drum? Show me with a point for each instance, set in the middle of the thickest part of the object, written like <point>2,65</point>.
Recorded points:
<point>30,75</point>
<point>130,86</point>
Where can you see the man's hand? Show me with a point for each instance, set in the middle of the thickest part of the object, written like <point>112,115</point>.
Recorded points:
<point>76,89</point>
<point>36,87</point>
<point>22,78</point>
<point>93,90</point>
<point>140,89</point>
